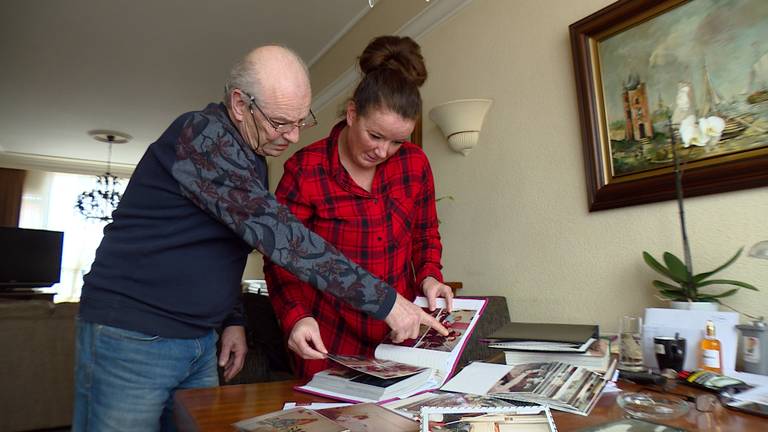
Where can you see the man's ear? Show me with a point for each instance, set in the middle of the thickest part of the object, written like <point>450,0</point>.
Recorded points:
<point>239,106</point>
<point>351,113</point>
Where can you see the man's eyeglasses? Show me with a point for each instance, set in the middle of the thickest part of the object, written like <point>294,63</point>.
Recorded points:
<point>283,128</point>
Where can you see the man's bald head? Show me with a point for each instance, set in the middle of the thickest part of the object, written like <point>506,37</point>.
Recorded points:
<point>268,96</point>
<point>268,72</point>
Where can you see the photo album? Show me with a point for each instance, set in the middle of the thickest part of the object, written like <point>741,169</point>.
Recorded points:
<point>562,386</point>
<point>403,369</point>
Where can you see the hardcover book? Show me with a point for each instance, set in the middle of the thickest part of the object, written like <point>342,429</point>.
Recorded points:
<point>404,369</point>
<point>292,420</point>
<point>562,386</point>
<point>544,337</point>
<point>370,417</point>
<point>596,358</point>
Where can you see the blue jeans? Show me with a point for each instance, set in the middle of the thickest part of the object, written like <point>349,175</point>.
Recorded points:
<point>125,380</point>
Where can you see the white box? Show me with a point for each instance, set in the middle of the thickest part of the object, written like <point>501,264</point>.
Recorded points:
<point>690,324</point>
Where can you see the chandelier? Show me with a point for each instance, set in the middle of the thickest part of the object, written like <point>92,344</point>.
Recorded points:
<point>100,202</point>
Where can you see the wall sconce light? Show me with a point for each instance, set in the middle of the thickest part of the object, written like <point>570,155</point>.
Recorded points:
<point>759,250</point>
<point>461,121</point>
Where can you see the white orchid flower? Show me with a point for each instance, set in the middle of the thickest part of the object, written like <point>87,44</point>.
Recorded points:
<point>712,127</point>
<point>691,134</point>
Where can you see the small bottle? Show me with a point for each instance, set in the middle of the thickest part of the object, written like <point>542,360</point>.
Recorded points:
<point>711,354</point>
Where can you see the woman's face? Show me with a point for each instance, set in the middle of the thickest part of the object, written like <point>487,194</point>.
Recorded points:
<point>375,137</point>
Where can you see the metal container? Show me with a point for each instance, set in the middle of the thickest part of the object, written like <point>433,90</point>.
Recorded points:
<point>753,348</point>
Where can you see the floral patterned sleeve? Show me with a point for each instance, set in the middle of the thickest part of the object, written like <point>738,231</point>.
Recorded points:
<point>215,172</point>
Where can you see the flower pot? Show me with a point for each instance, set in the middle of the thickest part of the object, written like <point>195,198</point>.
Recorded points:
<point>705,306</point>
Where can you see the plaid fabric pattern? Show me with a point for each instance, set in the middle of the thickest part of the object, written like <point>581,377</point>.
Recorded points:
<point>391,232</point>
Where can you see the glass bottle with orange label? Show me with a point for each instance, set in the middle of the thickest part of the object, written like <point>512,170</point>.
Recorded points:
<point>711,354</point>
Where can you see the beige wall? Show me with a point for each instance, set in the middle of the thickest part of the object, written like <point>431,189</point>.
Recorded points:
<point>519,225</point>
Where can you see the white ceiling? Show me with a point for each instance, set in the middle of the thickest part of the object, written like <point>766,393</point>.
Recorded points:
<point>67,67</point>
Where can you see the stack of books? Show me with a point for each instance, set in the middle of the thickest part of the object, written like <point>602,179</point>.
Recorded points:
<point>575,344</point>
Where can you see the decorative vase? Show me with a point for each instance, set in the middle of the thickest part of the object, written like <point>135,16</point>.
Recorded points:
<point>705,306</point>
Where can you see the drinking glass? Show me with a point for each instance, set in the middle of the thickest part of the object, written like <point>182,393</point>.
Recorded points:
<point>631,344</point>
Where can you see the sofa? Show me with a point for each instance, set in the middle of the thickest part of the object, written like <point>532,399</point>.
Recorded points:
<point>36,364</point>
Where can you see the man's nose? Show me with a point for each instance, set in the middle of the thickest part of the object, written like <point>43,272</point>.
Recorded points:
<point>292,136</point>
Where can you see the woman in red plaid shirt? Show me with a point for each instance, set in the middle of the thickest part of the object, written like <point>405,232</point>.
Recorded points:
<point>369,192</point>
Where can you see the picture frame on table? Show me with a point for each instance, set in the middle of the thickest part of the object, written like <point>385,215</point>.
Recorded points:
<point>531,418</point>
<point>639,64</point>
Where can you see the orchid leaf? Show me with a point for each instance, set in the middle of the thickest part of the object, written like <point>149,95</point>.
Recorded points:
<point>672,295</point>
<point>652,263</point>
<point>676,267</point>
<point>728,282</point>
<point>701,276</point>
<point>723,294</point>
<point>663,286</point>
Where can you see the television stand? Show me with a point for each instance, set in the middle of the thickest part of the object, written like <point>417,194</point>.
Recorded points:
<point>27,294</point>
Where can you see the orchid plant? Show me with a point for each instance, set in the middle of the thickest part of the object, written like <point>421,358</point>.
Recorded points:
<point>704,133</point>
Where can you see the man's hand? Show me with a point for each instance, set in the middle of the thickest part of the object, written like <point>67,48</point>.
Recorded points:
<point>433,289</point>
<point>305,331</point>
<point>233,350</point>
<point>405,319</point>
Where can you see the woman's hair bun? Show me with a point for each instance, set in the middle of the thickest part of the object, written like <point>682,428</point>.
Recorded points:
<point>401,54</point>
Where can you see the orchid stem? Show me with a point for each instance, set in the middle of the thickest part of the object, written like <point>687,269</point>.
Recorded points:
<point>681,208</point>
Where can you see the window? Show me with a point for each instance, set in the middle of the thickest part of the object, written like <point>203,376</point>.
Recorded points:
<point>48,202</point>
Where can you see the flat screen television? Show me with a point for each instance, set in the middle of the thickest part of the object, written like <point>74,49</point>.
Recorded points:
<point>29,258</point>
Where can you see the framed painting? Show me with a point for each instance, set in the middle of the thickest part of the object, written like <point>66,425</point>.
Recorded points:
<point>639,64</point>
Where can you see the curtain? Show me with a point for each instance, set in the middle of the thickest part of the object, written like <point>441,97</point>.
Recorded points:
<point>49,203</point>
<point>11,187</point>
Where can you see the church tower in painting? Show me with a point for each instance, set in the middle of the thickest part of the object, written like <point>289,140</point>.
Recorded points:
<point>636,113</point>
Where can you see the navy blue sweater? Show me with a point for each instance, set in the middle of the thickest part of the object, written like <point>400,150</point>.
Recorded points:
<point>170,264</point>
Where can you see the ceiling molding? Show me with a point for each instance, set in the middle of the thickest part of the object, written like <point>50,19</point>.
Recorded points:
<point>30,161</point>
<point>338,36</point>
<point>431,17</point>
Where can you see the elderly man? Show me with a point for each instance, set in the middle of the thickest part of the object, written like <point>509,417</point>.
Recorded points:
<point>167,273</point>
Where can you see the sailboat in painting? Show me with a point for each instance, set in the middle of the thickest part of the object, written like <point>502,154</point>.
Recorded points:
<point>758,81</point>
<point>715,105</point>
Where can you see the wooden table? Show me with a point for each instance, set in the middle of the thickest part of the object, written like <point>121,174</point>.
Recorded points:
<point>215,409</point>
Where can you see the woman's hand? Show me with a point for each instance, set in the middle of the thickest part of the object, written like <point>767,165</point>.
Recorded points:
<point>305,339</point>
<point>433,289</point>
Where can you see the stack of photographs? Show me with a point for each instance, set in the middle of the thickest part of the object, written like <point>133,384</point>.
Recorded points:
<point>560,385</point>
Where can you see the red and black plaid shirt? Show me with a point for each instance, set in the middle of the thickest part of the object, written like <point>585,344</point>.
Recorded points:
<point>390,231</point>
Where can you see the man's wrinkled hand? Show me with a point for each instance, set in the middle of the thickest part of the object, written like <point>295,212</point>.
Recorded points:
<point>433,289</point>
<point>406,318</point>
<point>305,339</point>
<point>233,351</point>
